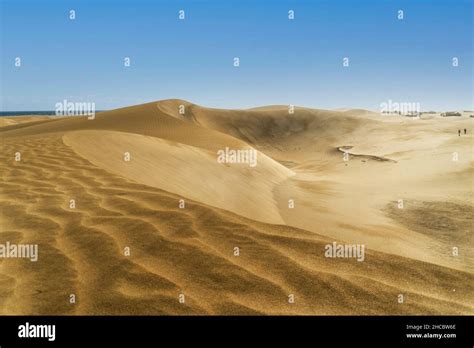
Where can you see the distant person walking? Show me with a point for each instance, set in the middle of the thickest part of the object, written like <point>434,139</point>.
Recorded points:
<point>459,132</point>
<point>465,131</point>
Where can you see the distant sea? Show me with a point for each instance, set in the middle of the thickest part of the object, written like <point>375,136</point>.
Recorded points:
<point>35,113</point>
<point>23,113</point>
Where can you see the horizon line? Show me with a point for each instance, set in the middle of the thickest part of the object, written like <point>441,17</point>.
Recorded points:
<point>244,108</point>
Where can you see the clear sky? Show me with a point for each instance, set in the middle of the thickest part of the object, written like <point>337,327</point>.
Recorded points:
<point>282,61</point>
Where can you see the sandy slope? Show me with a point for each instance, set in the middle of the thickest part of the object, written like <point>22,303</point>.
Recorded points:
<point>15,120</point>
<point>394,158</point>
<point>188,171</point>
<point>191,251</point>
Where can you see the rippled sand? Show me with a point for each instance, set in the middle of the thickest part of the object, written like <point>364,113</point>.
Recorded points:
<point>190,251</point>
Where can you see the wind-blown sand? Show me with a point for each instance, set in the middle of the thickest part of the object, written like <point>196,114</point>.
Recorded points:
<point>190,251</point>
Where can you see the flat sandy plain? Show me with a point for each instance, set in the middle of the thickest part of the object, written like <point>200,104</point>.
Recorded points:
<point>135,204</point>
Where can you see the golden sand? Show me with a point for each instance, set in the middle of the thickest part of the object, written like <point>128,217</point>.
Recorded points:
<point>191,251</point>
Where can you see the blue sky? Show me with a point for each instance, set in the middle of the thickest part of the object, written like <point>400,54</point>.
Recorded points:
<point>281,61</point>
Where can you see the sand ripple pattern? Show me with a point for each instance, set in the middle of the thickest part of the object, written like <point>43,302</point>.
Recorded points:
<point>181,251</point>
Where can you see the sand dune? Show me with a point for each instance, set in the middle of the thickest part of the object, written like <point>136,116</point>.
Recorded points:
<point>15,120</point>
<point>190,251</point>
<point>200,176</point>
